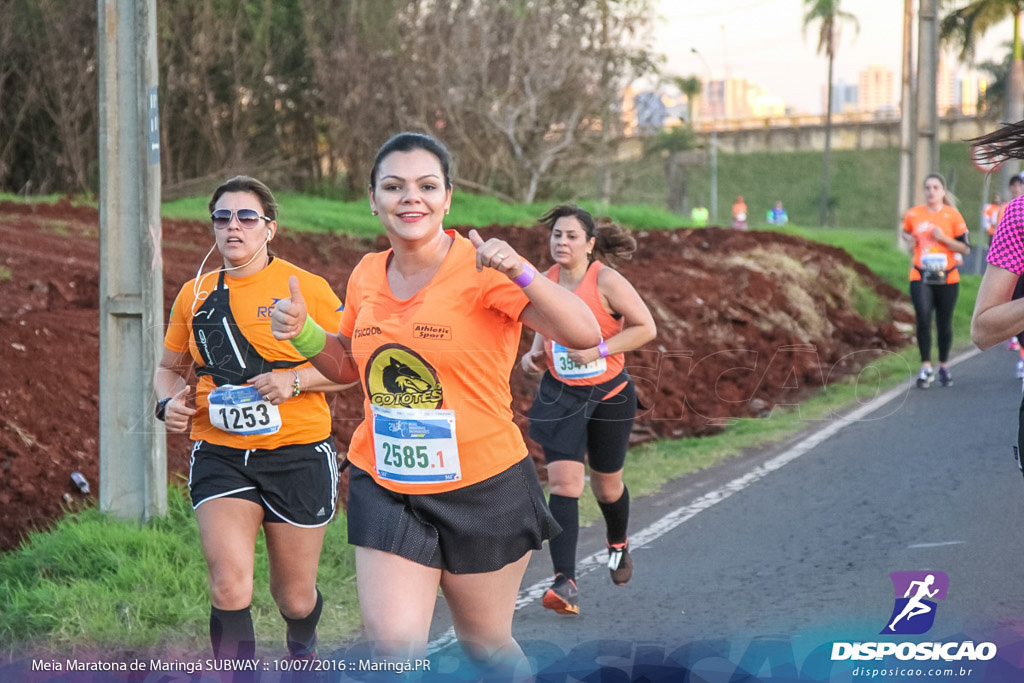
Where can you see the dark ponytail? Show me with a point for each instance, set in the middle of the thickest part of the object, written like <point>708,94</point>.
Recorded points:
<point>1005,143</point>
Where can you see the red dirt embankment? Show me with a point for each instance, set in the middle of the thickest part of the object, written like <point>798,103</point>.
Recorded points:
<point>746,321</point>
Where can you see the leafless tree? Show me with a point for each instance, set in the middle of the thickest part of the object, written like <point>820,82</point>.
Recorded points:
<point>236,90</point>
<point>519,87</point>
<point>355,50</point>
<point>298,90</point>
<point>49,94</point>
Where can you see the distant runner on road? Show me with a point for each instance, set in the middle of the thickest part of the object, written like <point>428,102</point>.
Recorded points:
<point>938,234</point>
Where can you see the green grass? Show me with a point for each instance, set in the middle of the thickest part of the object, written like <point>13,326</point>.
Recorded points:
<point>77,200</point>
<point>864,185</point>
<point>331,216</point>
<point>97,583</point>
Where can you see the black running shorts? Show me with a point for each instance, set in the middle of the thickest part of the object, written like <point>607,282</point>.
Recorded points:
<point>573,421</point>
<point>296,484</point>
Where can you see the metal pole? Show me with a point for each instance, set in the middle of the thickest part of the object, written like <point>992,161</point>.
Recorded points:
<point>133,457</point>
<point>1014,102</point>
<point>982,244</point>
<point>927,152</point>
<point>906,181</point>
<point>714,169</point>
<point>714,139</point>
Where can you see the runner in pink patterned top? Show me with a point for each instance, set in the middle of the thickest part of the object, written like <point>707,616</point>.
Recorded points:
<point>999,308</point>
<point>1007,250</point>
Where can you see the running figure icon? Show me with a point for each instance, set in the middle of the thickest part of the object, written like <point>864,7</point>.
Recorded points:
<point>915,606</point>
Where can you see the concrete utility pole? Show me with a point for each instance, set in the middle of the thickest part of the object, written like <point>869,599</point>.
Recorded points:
<point>714,133</point>
<point>906,182</point>
<point>926,154</point>
<point>1014,105</point>
<point>133,451</point>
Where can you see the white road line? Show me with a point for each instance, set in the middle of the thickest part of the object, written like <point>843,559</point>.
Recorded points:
<point>673,519</point>
<point>941,544</point>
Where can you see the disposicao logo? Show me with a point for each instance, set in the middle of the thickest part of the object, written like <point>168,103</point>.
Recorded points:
<point>916,592</point>
<point>913,613</point>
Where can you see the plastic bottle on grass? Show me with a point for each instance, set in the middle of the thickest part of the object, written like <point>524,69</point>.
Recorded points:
<point>80,481</point>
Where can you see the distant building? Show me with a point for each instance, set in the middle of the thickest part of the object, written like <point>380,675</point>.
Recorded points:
<point>844,97</point>
<point>972,89</point>
<point>650,112</point>
<point>712,101</point>
<point>875,90</point>
<point>947,96</point>
<point>738,98</point>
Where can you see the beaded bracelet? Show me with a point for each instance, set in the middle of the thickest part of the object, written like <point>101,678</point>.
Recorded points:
<point>296,386</point>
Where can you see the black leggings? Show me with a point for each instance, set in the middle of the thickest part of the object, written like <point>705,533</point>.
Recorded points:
<point>942,300</point>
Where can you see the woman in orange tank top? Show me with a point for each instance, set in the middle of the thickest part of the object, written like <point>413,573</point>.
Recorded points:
<point>586,402</point>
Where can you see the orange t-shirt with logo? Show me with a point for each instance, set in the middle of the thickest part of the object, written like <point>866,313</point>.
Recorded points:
<point>919,222</point>
<point>993,212</point>
<point>451,347</point>
<point>588,291</point>
<point>305,418</point>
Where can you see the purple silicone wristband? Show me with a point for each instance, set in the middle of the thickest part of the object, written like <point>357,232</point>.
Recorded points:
<point>526,277</point>
<point>602,349</point>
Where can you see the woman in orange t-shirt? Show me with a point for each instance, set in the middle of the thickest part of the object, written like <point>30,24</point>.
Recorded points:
<point>739,214</point>
<point>992,213</point>
<point>262,453</point>
<point>939,236</point>
<point>442,492</point>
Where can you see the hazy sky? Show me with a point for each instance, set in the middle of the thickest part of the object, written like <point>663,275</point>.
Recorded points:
<point>764,42</point>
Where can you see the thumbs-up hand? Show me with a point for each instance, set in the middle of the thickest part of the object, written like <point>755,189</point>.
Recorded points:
<point>497,254</point>
<point>177,412</point>
<point>289,315</point>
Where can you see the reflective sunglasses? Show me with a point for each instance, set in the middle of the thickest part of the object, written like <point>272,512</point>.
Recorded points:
<point>247,218</point>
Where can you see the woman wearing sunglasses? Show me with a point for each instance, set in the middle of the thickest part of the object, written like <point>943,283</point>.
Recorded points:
<point>262,455</point>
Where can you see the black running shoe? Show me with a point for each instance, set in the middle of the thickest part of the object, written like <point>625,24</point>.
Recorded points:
<point>563,597</point>
<point>925,379</point>
<point>945,379</point>
<point>298,652</point>
<point>620,563</point>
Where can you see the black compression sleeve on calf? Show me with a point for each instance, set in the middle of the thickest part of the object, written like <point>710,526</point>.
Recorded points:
<point>616,517</point>
<point>566,512</point>
<point>301,636</point>
<point>231,633</point>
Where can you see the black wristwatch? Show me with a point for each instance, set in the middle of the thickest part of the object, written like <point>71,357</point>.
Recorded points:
<point>161,408</point>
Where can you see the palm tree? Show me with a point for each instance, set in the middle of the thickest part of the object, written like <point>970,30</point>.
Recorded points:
<point>692,88</point>
<point>964,26</point>
<point>829,14</point>
<point>676,146</point>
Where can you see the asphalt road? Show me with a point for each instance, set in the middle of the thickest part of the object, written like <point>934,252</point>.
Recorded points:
<point>761,564</point>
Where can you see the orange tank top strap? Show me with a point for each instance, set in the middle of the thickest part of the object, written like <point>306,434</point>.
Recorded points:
<point>601,370</point>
